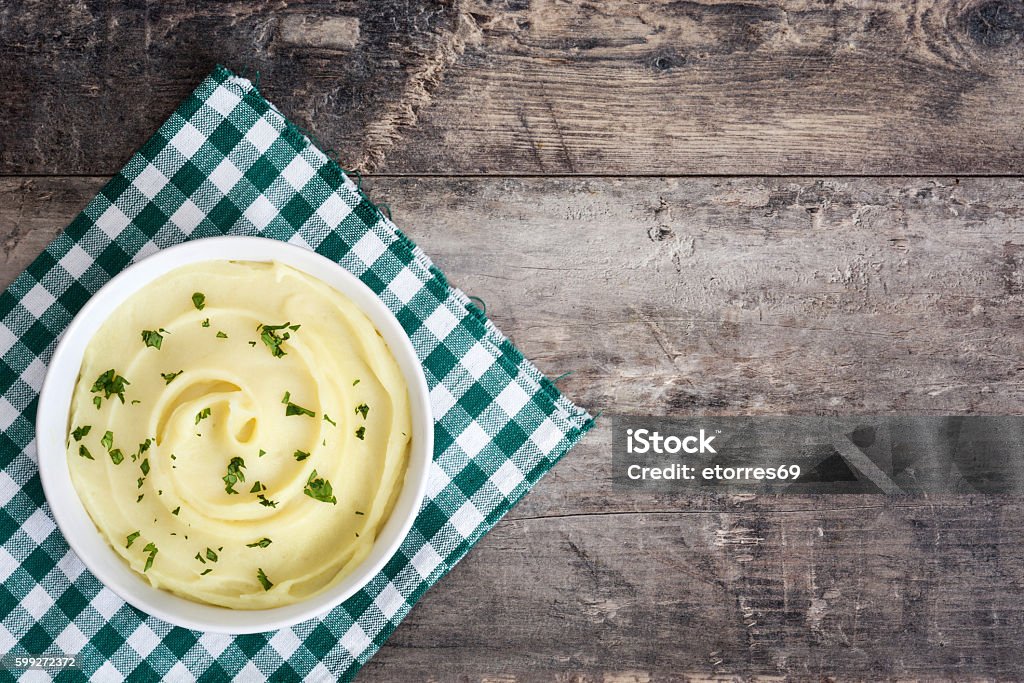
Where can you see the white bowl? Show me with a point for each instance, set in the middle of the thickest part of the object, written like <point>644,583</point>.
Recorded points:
<point>52,428</point>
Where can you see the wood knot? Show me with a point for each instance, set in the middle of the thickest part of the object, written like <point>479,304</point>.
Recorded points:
<point>665,60</point>
<point>659,233</point>
<point>996,23</point>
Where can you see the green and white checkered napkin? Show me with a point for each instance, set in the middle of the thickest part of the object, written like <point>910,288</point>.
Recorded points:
<point>227,162</point>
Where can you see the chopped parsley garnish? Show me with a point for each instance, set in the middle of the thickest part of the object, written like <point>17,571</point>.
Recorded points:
<point>152,338</point>
<point>287,397</point>
<point>131,538</point>
<point>202,415</point>
<point>144,446</point>
<point>206,322</point>
<point>200,558</point>
<point>362,409</point>
<point>151,549</point>
<point>266,502</point>
<point>210,555</point>
<point>301,455</point>
<point>234,474</point>
<point>327,418</point>
<point>221,335</point>
<point>267,585</point>
<point>262,453</point>
<point>176,510</point>
<point>136,401</point>
<point>257,487</point>
<point>320,489</point>
<point>110,384</point>
<point>359,513</point>
<point>292,409</point>
<point>139,499</point>
<point>140,482</point>
<point>262,543</point>
<point>199,300</point>
<point>80,432</point>
<point>169,376</point>
<point>355,383</point>
<point>145,467</point>
<point>273,337</point>
<point>108,440</point>
<point>84,452</point>
<point>252,343</point>
<point>206,571</point>
<point>117,456</point>
<point>361,433</point>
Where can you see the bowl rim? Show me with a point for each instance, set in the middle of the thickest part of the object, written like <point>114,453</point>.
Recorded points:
<point>52,431</point>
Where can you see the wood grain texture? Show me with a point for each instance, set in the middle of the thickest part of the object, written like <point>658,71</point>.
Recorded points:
<point>538,86</point>
<point>743,295</point>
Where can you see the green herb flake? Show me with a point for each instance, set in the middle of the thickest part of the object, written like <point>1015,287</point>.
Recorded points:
<point>108,440</point>
<point>257,487</point>
<point>136,402</point>
<point>202,415</point>
<point>320,489</point>
<point>109,384</point>
<point>152,338</point>
<point>141,481</point>
<point>84,452</point>
<point>266,502</point>
<point>139,499</point>
<point>273,337</point>
<point>234,474</point>
<point>81,431</point>
<point>301,455</point>
<point>117,456</point>
<point>221,335</point>
<point>361,433</point>
<point>287,397</point>
<point>151,549</point>
<point>252,343</point>
<point>96,401</point>
<point>176,510</point>
<point>359,513</point>
<point>169,376</point>
<point>262,543</point>
<point>267,585</point>
<point>131,538</point>
<point>327,418</point>
<point>199,300</point>
<point>145,467</point>
<point>356,382</point>
<point>292,409</point>
<point>262,453</point>
<point>144,446</point>
<point>362,409</point>
<point>200,558</point>
<point>210,555</point>
<point>206,571</point>
<point>205,323</point>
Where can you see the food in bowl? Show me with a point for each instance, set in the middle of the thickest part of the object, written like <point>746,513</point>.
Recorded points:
<point>239,433</point>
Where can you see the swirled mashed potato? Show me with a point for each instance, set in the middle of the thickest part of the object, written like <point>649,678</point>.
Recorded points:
<point>239,433</point>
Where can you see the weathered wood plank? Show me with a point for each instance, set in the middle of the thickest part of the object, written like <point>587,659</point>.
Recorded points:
<point>709,87</point>
<point>481,86</point>
<point>671,296</point>
<point>915,592</point>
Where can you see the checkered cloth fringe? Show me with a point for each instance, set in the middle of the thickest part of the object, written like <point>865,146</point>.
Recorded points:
<point>227,162</point>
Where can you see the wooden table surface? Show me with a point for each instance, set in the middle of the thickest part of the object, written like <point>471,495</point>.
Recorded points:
<point>777,207</point>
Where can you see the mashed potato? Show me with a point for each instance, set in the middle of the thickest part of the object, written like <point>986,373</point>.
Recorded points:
<point>239,433</point>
